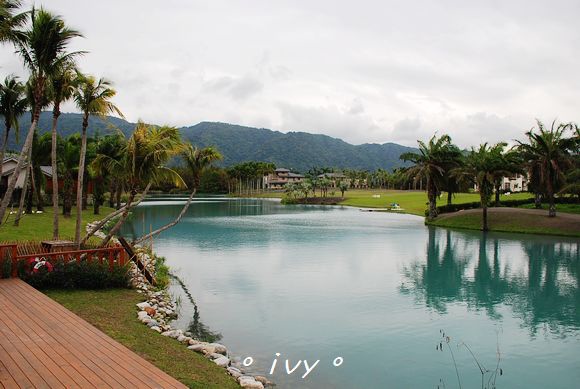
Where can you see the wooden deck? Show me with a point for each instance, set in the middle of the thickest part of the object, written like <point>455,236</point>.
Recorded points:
<point>44,345</point>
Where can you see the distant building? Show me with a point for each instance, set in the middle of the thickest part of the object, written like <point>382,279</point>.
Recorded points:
<point>515,183</point>
<point>280,178</point>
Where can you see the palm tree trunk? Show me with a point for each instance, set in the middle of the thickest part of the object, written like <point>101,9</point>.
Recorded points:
<point>483,200</point>
<point>53,160</point>
<point>121,220</point>
<point>168,225</point>
<point>449,197</point>
<point>113,215</point>
<point>538,200</point>
<point>80,180</point>
<point>432,196</point>
<point>112,189</point>
<point>552,205</point>
<point>497,189</point>
<point>3,151</point>
<point>23,195</point>
<point>14,177</point>
<point>118,193</point>
<point>36,187</point>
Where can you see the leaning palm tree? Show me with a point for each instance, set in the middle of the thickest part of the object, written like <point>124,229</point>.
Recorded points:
<point>63,85</point>
<point>92,97</point>
<point>42,46</point>
<point>13,105</point>
<point>433,161</point>
<point>142,164</point>
<point>197,160</point>
<point>481,167</point>
<point>547,156</point>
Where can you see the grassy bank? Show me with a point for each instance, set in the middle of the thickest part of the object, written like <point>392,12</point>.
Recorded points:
<point>413,202</point>
<point>38,226</point>
<point>518,220</point>
<point>113,312</point>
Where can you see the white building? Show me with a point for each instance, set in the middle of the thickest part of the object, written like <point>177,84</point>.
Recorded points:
<point>515,183</point>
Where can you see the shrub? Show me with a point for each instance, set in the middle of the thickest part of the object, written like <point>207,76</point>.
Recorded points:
<point>76,275</point>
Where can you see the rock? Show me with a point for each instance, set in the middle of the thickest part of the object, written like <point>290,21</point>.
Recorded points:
<point>153,323</point>
<point>236,373</point>
<point>143,305</point>
<point>186,340</point>
<point>150,311</point>
<point>142,315</point>
<point>197,347</point>
<point>193,341</point>
<point>146,320</point>
<point>181,338</point>
<point>215,355</point>
<point>169,333</point>
<point>219,348</point>
<point>155,328</point>
<point>250,382</point>
<point>262,379</point>
<point>222,361</point>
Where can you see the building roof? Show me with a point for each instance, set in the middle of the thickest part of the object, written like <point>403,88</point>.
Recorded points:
<point>294,175</point>
<point>332,175</point>
<point>282,170</point>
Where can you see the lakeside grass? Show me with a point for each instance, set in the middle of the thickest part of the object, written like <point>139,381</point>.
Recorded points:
<point>566,208</point>
<point>514,221</point>
<point>38,226</point>
<point>412,201</point>
<point>113,311</point>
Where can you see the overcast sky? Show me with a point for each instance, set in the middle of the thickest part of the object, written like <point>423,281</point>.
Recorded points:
<point>363,71</point>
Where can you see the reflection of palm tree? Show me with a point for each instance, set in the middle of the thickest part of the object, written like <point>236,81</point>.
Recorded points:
<point>196,327</point>
<point>546,295</point>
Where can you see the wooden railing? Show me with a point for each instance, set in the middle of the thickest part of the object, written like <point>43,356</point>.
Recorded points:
<point>111,255</point>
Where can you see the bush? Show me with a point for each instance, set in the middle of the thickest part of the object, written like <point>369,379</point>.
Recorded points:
<point>76,275</point>
<point>503,203</point>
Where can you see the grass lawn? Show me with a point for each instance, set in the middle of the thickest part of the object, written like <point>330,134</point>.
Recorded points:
<point>510,220</point>
<point>413,202</point>
<point>567,208</point>
<point>38,226</point>
<point>113,312</point>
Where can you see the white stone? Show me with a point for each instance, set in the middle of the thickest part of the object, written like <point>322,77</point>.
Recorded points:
<point>236,373</point>
<point>222,361</point>
<point>219,348</point>
<point>143,305</point>
<point>250,382</point>
<point>142,315</point>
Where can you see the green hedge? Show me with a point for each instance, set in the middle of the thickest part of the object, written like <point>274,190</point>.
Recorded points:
<point>76,275</point>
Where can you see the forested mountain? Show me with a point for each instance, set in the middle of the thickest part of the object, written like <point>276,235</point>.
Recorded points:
<point>294,150</point>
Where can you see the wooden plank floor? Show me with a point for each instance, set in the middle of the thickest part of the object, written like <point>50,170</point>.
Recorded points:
<point>44,345</point>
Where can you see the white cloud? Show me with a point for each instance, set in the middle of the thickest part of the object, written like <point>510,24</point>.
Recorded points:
<point>367,71</point>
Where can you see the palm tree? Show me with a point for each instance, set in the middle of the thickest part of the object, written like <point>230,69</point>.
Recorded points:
<point>547,156</point>
<point>142,163</point>
<point>511,164</point>
<point>10,21</point>
<point>433,161</point>
<point>481,167</point>
<point>197,160</point>
<point>13,105</point>
<point>43,48</point>
<point>68,158</point>
<point>62,84</point>
<point>343,186</point>
<point>92,97</point>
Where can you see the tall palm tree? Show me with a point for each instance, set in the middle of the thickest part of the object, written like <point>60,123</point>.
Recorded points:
<point>63,85</point>
<point>92,97</point>
<point>547,156</point>
<point>433,161</point>
<point>13,105</point>
<point>42,46</point>
<point>481,167</point>
<point>197,160</point>
<point>512,164</point>
<point>142,163</point>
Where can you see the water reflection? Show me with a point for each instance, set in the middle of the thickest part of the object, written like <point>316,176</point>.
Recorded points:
<point>488,271</point>
<point>196,327</point>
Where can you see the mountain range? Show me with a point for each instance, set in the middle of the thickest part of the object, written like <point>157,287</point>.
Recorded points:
<point>298,151</point>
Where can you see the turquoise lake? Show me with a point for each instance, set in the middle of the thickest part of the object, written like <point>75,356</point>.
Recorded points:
<point>317,283</point>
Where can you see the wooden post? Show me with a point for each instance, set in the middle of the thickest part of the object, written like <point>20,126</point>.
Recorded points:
<point>14,261</point>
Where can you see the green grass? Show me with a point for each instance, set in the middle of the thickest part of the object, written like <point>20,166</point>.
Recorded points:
<point>113,312</point>
<point>414,202</point>
<point>566,208</point>
<point>509,222</point>
<point>38,226</point>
